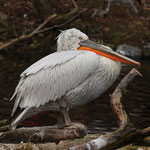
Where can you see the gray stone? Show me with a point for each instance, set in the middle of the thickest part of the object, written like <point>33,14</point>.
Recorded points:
<point>130,51</point>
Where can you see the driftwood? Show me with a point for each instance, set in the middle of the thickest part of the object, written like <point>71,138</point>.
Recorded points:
<point>63,145</point>
<point>44,134</point>
<point>125,126</point>
<point>126,134</point>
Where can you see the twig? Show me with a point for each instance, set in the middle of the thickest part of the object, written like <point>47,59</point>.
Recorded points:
<point>75,4</point>
<point>62,24</point>
<point>43,24</point>
<point>125,127</point>
<point>133,6</point>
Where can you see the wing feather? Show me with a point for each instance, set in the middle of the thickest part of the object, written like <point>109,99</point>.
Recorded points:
<point>51,77</point>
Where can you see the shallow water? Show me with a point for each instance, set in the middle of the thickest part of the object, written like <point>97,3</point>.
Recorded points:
<point>97,115</point>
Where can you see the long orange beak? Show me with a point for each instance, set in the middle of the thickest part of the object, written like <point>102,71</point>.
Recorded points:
<point>106,52</point>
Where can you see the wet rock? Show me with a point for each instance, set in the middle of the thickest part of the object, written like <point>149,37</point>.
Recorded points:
<point>146,51</point>
<point>130,51</point>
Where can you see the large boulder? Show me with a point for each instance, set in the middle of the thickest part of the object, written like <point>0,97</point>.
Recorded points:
<point>130,51</point>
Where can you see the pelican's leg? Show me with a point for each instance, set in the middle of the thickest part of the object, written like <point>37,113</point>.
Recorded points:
<point>60,122</point>
<point>66,116</point>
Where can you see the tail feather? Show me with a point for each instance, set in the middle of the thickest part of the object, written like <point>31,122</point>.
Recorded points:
<point>16,104</point>
<point>19,114</point>
<point>18,117</point>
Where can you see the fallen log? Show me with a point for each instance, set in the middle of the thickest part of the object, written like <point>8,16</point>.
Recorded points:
<point>44,134</point>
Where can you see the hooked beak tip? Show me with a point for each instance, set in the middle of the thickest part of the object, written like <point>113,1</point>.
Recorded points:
<point>106,52</point>
<point>138,63</point>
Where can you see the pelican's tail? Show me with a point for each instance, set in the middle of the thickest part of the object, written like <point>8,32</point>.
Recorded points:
<point>20,116</point>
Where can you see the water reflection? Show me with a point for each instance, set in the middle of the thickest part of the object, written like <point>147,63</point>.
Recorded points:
<point>97,115</point>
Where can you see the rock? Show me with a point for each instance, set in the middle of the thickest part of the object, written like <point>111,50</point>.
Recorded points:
<point>130,51</point>
<point>146,51</point>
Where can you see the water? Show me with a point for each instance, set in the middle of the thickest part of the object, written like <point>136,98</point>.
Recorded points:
<point>97,115</point>
<point>136,102</point>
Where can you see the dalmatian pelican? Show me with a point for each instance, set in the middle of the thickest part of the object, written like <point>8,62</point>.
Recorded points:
<point>76,74</point>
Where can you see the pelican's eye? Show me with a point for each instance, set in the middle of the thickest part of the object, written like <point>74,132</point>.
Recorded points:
<point>81,38</point>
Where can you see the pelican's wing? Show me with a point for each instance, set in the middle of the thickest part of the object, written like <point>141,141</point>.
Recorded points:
<point>51,77</point>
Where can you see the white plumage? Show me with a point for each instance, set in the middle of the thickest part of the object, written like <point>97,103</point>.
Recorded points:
<point>63,80</point>
<point>50,78</point>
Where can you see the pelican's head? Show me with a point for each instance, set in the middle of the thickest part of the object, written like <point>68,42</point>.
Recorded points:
<point>74,39</point>
<point>70,39</point>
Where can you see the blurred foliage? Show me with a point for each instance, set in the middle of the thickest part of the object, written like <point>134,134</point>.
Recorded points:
<point>120,25</point>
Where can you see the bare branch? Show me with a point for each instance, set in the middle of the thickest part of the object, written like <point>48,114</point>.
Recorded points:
<point>75,4</point>
<point>125,126</point>
<point>44,23</point>
<point>62,24</point>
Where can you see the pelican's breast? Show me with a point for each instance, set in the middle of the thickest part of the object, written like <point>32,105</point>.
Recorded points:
<point>103,77</point>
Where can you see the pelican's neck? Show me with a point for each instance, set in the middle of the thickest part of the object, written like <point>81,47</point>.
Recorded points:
<point>113,67</point>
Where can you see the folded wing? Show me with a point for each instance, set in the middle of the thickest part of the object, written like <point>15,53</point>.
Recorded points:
<point>51,77</point>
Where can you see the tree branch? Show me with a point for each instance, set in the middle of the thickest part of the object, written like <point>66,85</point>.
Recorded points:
<point>56,20</point>
<point>125,126</point>
<point>64,23</point>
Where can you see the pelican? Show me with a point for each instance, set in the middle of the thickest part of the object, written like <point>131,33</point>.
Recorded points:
<point>77,73</point>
